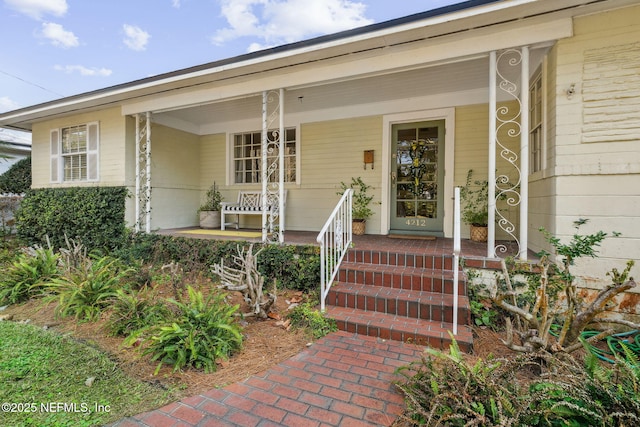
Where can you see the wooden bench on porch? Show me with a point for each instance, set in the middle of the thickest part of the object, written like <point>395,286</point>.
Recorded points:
<point>249,203</point>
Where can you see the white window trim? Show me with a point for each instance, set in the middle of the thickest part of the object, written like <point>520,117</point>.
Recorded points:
<point>56,165</point>
<point>230,176</point>
<point>543,142</point>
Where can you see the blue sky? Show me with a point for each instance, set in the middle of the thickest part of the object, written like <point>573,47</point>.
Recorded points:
<point>56,48</point>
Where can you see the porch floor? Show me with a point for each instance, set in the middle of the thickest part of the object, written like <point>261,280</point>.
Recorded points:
<point>439,245</point>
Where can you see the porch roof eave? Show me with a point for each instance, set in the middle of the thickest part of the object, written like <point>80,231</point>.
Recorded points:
<point>402,57</point>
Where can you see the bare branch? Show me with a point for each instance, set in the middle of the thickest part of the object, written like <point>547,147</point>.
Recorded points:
<point>515,310</point>
<point>631,325</point>
<point>248,280</point>
<point>594,338</point>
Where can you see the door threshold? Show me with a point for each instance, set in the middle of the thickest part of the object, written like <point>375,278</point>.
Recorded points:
<point>411,237</point>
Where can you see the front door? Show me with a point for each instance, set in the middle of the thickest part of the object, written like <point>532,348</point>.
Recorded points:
<point>417,175</point>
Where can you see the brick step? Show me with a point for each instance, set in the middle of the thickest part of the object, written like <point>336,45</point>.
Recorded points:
<point>390,276</point>
<point>403,329</point>
<point>400,259</point>
<point>401,302</point>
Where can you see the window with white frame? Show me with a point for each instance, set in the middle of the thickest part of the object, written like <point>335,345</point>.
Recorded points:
<point>247,157</point>
<point>536,121</point>
<point>74,153</point>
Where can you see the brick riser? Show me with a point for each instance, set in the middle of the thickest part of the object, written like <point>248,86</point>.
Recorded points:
<point>414,304</point>
<point>407,278</point>
<point>400,296</point>
<point>437,262</point>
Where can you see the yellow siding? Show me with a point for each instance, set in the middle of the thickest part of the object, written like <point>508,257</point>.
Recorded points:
<point>597,180</point>
<point>542,184</point>
<point>175,177</point>
<point>472,128</point>
<point>213,163</point>
<point>332,152</point>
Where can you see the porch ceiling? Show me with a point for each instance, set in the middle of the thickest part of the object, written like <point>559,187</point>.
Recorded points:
<point>466,76</point>
<point>456,83</point>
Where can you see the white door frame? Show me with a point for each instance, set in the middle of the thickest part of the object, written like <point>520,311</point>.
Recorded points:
<point>446,114</point>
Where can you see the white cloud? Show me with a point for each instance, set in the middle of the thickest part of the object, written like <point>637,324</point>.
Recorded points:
<point>59,36</point>
<point>8,104</point>
<point>175,3</point>
<point>276,22</point>
<point>37,8</point>
<point>84,71</point>
<point>135,37</point>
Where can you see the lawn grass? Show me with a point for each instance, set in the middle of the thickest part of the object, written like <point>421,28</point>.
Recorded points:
<point>43,378</point>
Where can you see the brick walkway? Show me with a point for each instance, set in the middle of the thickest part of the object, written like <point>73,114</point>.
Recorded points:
<point>341,380</point>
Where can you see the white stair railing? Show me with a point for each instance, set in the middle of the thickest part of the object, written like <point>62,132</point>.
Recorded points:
<point>335,239</point>
<point>456,256</point>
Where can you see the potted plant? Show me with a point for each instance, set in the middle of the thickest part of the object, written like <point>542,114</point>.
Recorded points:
<point>209,211</point>
<point>360,210</point>
<point>475,211</point>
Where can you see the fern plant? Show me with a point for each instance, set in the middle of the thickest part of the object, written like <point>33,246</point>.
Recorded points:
<point>533,389</point>
<point>203,331</point>
<point>133,311</point>
<point>444,389</point>
<point>87,289</point>
<point>586,394</point>
<point>26,276</point>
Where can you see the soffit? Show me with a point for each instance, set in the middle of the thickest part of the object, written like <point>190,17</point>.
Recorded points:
<point>452,78</point>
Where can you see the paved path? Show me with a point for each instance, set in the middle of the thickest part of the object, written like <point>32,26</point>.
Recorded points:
<point>341,380</point>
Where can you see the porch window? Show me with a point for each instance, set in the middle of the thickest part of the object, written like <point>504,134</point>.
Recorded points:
<point>536,120</point>
<point>247,157</point>
<point>74,153</point>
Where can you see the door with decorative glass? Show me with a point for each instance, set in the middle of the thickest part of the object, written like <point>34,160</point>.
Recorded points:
<point>417,176</point>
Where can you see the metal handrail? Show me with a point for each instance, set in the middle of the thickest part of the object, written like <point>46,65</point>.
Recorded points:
<point>456,256</point>
<point>335,239</point>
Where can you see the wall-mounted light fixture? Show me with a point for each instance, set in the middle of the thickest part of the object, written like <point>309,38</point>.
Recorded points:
<point>571,91</point>
<point>368,158</point>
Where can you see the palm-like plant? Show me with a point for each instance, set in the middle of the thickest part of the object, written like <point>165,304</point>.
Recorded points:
<point>25,277</point>
<point>87,289</point>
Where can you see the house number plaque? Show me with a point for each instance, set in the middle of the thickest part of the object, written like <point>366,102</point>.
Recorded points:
<point>416,222</point>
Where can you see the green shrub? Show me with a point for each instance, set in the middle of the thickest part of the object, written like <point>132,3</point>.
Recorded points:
<point>483,312</point>
<point>18,178</point>
<point>133,311</point>
<point>533,389</point>
<point>443,389</point>
<point>294,267</point>
<point>201,332</point>
<point>25,277</point>
<point>85,291</point>
<point>587,394</point>
<point>93,216</point>
<point>307,317</point>
<point>193,254</point>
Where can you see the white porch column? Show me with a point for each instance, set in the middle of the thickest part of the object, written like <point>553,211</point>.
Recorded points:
<point>491,173</point>
<point>508,129</point>
<point>272,184</point>
<point>524,154</point>
<point>143,172</point>
<point>263,169</point>
<point>281,197</point>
